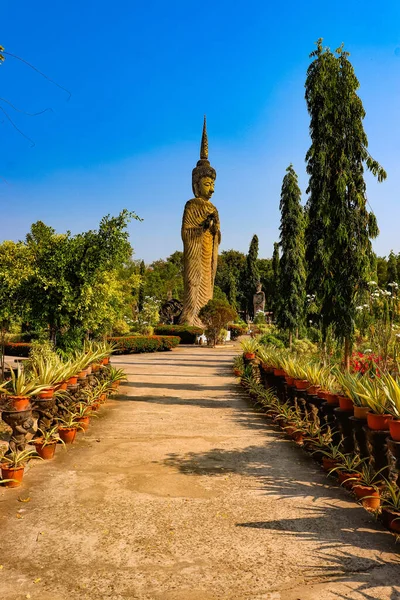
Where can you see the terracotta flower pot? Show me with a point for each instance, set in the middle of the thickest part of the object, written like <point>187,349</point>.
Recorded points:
<point>72,380</point>
<point>249,355</point>
<point>19,402</point>
<point>95,406</point>
<point>369,496</point>
<point>115,385</point>
<point>46,394</point>
<point>348,480</point>
<point>360,412</point>
<point>279,373</point>
<point>61,386</point>
<point>46,452</point>
<point>289,380</point>
<point>313,390</point>
<point>267,369</point>
<point>290,430</point>
<point>103,397</point>
<point>301,384</point>
<point>84,422</point>
<point>95,367</point>
<point>394,428</point>
<point>329,463</point>
<point>82,374</point>
<point>15,473</point>
<point>322,394</point>
<point>106,360</point>
<point>237,372</point>
<point>378,422</point>
<point>67,434</point>
<point>332,398</point>
<point>298,436</point>
<point>391,519</point>
<point>346,403</point>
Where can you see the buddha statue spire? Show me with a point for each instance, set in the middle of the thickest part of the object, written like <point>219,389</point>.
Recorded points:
<point>204,141</point>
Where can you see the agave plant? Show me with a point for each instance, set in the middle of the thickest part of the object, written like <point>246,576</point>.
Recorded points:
<point>374,395</point>
<point>351,384</point>
<point>114,375</point>
<point>391,496</point>
<point>22,384</point>
<point>46,371</point>
<point>249,345</point>
<point>391,388</point>
<point>49,436</point>
<point>17,458</point>
<point>70,419</point>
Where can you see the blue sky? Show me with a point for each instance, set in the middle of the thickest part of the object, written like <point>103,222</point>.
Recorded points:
<point>141,77</point>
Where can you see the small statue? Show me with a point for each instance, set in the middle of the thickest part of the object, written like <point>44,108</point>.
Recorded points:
<point>201,237</point>
<point>170,311</point>
<point>259,300</point>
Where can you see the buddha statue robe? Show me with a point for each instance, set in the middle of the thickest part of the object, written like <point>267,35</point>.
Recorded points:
<point>201,237</point>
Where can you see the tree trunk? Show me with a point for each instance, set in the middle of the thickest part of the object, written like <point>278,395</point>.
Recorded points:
<point>347,351</point>
<point>290,339</point>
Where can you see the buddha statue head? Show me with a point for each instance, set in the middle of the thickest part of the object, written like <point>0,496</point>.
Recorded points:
<point>203,175</point>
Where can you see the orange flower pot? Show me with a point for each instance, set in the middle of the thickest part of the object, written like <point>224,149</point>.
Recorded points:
<point>61,386</point>
<point>332,398</point>
<point>237,372</point>
<point>313,390</point>
<point>82,374</point>
<point>348,480</point>
<point>115,385</point>
<point>394,428</point>
<point>346,403</point>
<point>369,496</point>
<point>301,384</point>
<point>46,452</point>
<point>329,463</point>
<point>84,422</point>
<point>289,380</point>
<point>378,422</point>
<point>67,434</point>
<point>72,380</point>
<point>279,373</point>
<point>19,402</point>
<point>46,394</point>
<point>360,412</point>
<point>106,360</point>
<point>15,473</point>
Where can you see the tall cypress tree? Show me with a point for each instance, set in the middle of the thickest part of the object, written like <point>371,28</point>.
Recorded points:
<point>142,271</point>
<point>275,286</point>
<point>340,228</point>
<point>252,273</point>
<point>292,272</point>
<point>392,274</point>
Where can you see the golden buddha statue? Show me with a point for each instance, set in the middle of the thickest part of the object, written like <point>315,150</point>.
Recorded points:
<point>201,237</point>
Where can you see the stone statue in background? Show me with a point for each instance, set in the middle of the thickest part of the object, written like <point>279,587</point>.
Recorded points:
<point>201,237</point>
<point>259,299</point>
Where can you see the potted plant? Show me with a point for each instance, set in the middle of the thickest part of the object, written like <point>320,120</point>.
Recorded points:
<point>390,502</point>
<point>13,465</point>
<point>373,393</point>
<point>68,426</point>
<point>331,456</point>
<point>238,366</point>
<point>115,376</point>
<point>367,488</point>
<point>348,469</point>
<point>83,415</point>
<point>391,388</point>
<point>46,444</point>
<point>249,347</point>
<point>20,388</point>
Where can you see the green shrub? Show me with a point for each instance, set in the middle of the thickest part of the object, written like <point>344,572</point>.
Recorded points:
<point>140,343</point>
<point>236,330</point>
<point>270,340</point>
<point>186,333</point>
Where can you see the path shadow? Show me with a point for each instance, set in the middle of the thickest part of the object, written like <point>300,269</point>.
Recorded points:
<point>216,403</point>
<point>198,387</point>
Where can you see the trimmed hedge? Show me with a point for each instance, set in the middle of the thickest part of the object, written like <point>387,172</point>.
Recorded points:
<point>236,330</point>
<point>17,349</point>
<point>136,344</point>
<point>186,333</point>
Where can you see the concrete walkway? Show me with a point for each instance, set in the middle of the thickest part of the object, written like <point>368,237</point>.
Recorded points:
<point>180,491</point>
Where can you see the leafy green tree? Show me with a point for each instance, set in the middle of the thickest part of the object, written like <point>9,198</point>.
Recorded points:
<point>216,315</point>
<point>164,278</point>
<point>339,230</point>
<point>292,273</point>
<point>230,277</point>
<point>392,274</point>
<point>252,274</point>
<point>72,275</point>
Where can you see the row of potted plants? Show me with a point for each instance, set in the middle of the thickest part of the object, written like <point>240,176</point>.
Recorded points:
<point>75,401</point>
<point>374,397</point>
<point>368,486</point>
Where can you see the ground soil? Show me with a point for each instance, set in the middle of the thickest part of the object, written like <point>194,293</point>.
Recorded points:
<point>181,491</point>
